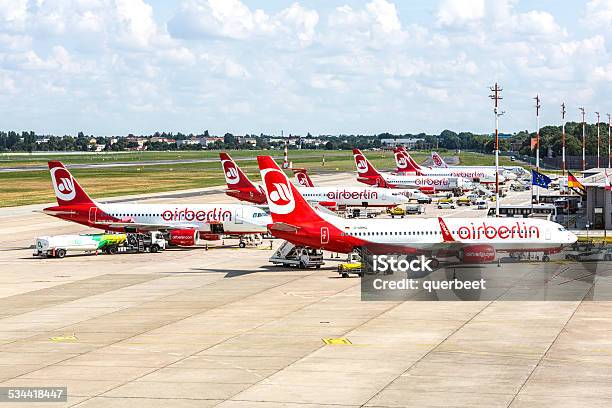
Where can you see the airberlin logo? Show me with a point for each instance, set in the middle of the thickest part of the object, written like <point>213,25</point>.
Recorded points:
<point>63,184</point>
<point>431,182</point>
<point>279,192</point>
<point>518,230</point>
<point>302,179</point>
<point>437,161</point>
<point>468,174</point>
<point>231,173</point>
<point>362,163</point>
<point>355,195</point>
<point>400,160</point>
<point>186,214</point>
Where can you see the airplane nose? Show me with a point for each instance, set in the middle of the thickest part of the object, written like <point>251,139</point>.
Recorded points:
<point>571,237</point>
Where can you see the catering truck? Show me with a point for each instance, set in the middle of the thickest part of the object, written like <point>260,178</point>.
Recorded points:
<point>58,246</point>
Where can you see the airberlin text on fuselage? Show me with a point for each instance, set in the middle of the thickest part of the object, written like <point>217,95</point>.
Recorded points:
<point>185,214</point>
<point>355,195</point>
<point>431,182</point>
<point>484,230</point>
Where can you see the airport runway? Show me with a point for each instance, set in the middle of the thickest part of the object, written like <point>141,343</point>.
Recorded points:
<point>223,328</point>
<point>99,165</point>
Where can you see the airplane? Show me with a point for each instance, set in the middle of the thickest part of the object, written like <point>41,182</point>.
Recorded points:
<point>185,223</point>
<point>406,164</point>
<point>509,172</point>
<point>301,175</point>
<point>242,188</point>
<point>367,174</point>
<point>471,240</point>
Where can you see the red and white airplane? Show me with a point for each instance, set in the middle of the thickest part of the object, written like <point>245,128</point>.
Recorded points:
<point>406,165</point>
<point>509,172</point>
<point>242,188</point>
<point>185,223</point>
<point>469,239</point>
<point>367,174</point>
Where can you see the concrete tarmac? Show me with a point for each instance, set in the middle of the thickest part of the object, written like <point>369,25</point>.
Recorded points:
<point>224,328</point>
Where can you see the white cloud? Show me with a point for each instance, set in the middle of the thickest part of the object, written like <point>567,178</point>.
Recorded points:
<point>357,67</point>
<point>460,12</point>
<point>232,19</point>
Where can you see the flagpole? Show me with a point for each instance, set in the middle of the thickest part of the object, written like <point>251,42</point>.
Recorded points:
<point>598,164</point>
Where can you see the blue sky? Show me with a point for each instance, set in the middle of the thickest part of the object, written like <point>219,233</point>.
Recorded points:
<point>119,66</point>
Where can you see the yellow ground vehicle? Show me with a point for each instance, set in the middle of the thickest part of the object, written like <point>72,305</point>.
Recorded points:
<point>464,201</point>
<point>445,200</point>
<point>396,211</point>
<point>351,266</point>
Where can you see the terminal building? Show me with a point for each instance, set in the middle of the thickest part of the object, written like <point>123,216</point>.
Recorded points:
<point>598,199</point>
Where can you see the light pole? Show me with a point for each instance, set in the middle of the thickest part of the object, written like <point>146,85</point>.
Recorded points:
<point>609,156</point>
<point>598,164</point>
<point>496,97</point>
<point>537,106</point>
<point>563,138</point>
<point>583,141</point>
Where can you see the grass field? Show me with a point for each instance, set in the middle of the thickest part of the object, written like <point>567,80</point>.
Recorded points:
<point>31,187</point>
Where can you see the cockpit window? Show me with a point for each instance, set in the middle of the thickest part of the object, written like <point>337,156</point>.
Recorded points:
<point>562,229</point>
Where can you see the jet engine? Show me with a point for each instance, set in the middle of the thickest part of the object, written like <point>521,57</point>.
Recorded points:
<point>186,237</point>
<point>474,254</point>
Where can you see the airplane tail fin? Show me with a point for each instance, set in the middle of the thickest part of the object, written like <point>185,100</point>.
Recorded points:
<point>364,167</point>
<point>437,160</point>
<point>67,189</point>
<point>405,163</point>
<point>302,177</point>
<point>287,205</point>
<point>446,234</point>
<point>234,176</point>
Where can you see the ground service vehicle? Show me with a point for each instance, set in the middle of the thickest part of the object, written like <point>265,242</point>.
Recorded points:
<point>289,254</point>
<point>59,245</point>
<point>399,211</point>
<point>352,265</point>
<point>463,201</point>
<point>415,209</point>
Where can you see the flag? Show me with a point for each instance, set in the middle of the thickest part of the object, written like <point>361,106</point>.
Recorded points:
<point>534,142</point>
<point>607,186</point>
<point>572,182</point>
<point>539,179</point>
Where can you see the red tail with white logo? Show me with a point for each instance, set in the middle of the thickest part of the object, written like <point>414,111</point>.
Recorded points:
<point>67,190</point>
<point>405,163</point>
<point>302,177</point>
<point>238,184</point>
<point>437,160</point>
<point>366,173</point>
<point>285,201</point>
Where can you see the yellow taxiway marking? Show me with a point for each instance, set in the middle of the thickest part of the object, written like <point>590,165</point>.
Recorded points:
<point>340,341</point>
<point>64,339</point>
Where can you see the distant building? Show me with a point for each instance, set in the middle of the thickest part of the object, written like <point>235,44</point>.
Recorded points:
<point>409,143</point>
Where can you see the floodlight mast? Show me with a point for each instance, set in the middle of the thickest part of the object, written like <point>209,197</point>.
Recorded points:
<point>583,140</point>
<point>537,106</point>
<point>496,96</point>
<point>563,165</point>
<point>598,164</point>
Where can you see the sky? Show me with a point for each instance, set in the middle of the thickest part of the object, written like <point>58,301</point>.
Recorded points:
<point>109,67</point>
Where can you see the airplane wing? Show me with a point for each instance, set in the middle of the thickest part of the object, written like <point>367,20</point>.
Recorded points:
<point>146,226</point>
<point>281,226</point>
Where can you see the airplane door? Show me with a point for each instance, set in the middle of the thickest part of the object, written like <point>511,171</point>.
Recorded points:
<point>324,235</point>
<point>93,213</point>
<point>548,234</point>
<point>239,215</point>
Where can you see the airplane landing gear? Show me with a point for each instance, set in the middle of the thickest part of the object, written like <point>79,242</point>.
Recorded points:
<point>545,258</point>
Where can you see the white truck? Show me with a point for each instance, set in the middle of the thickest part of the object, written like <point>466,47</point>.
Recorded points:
<point>58,246</point>
<point>302,257</point>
